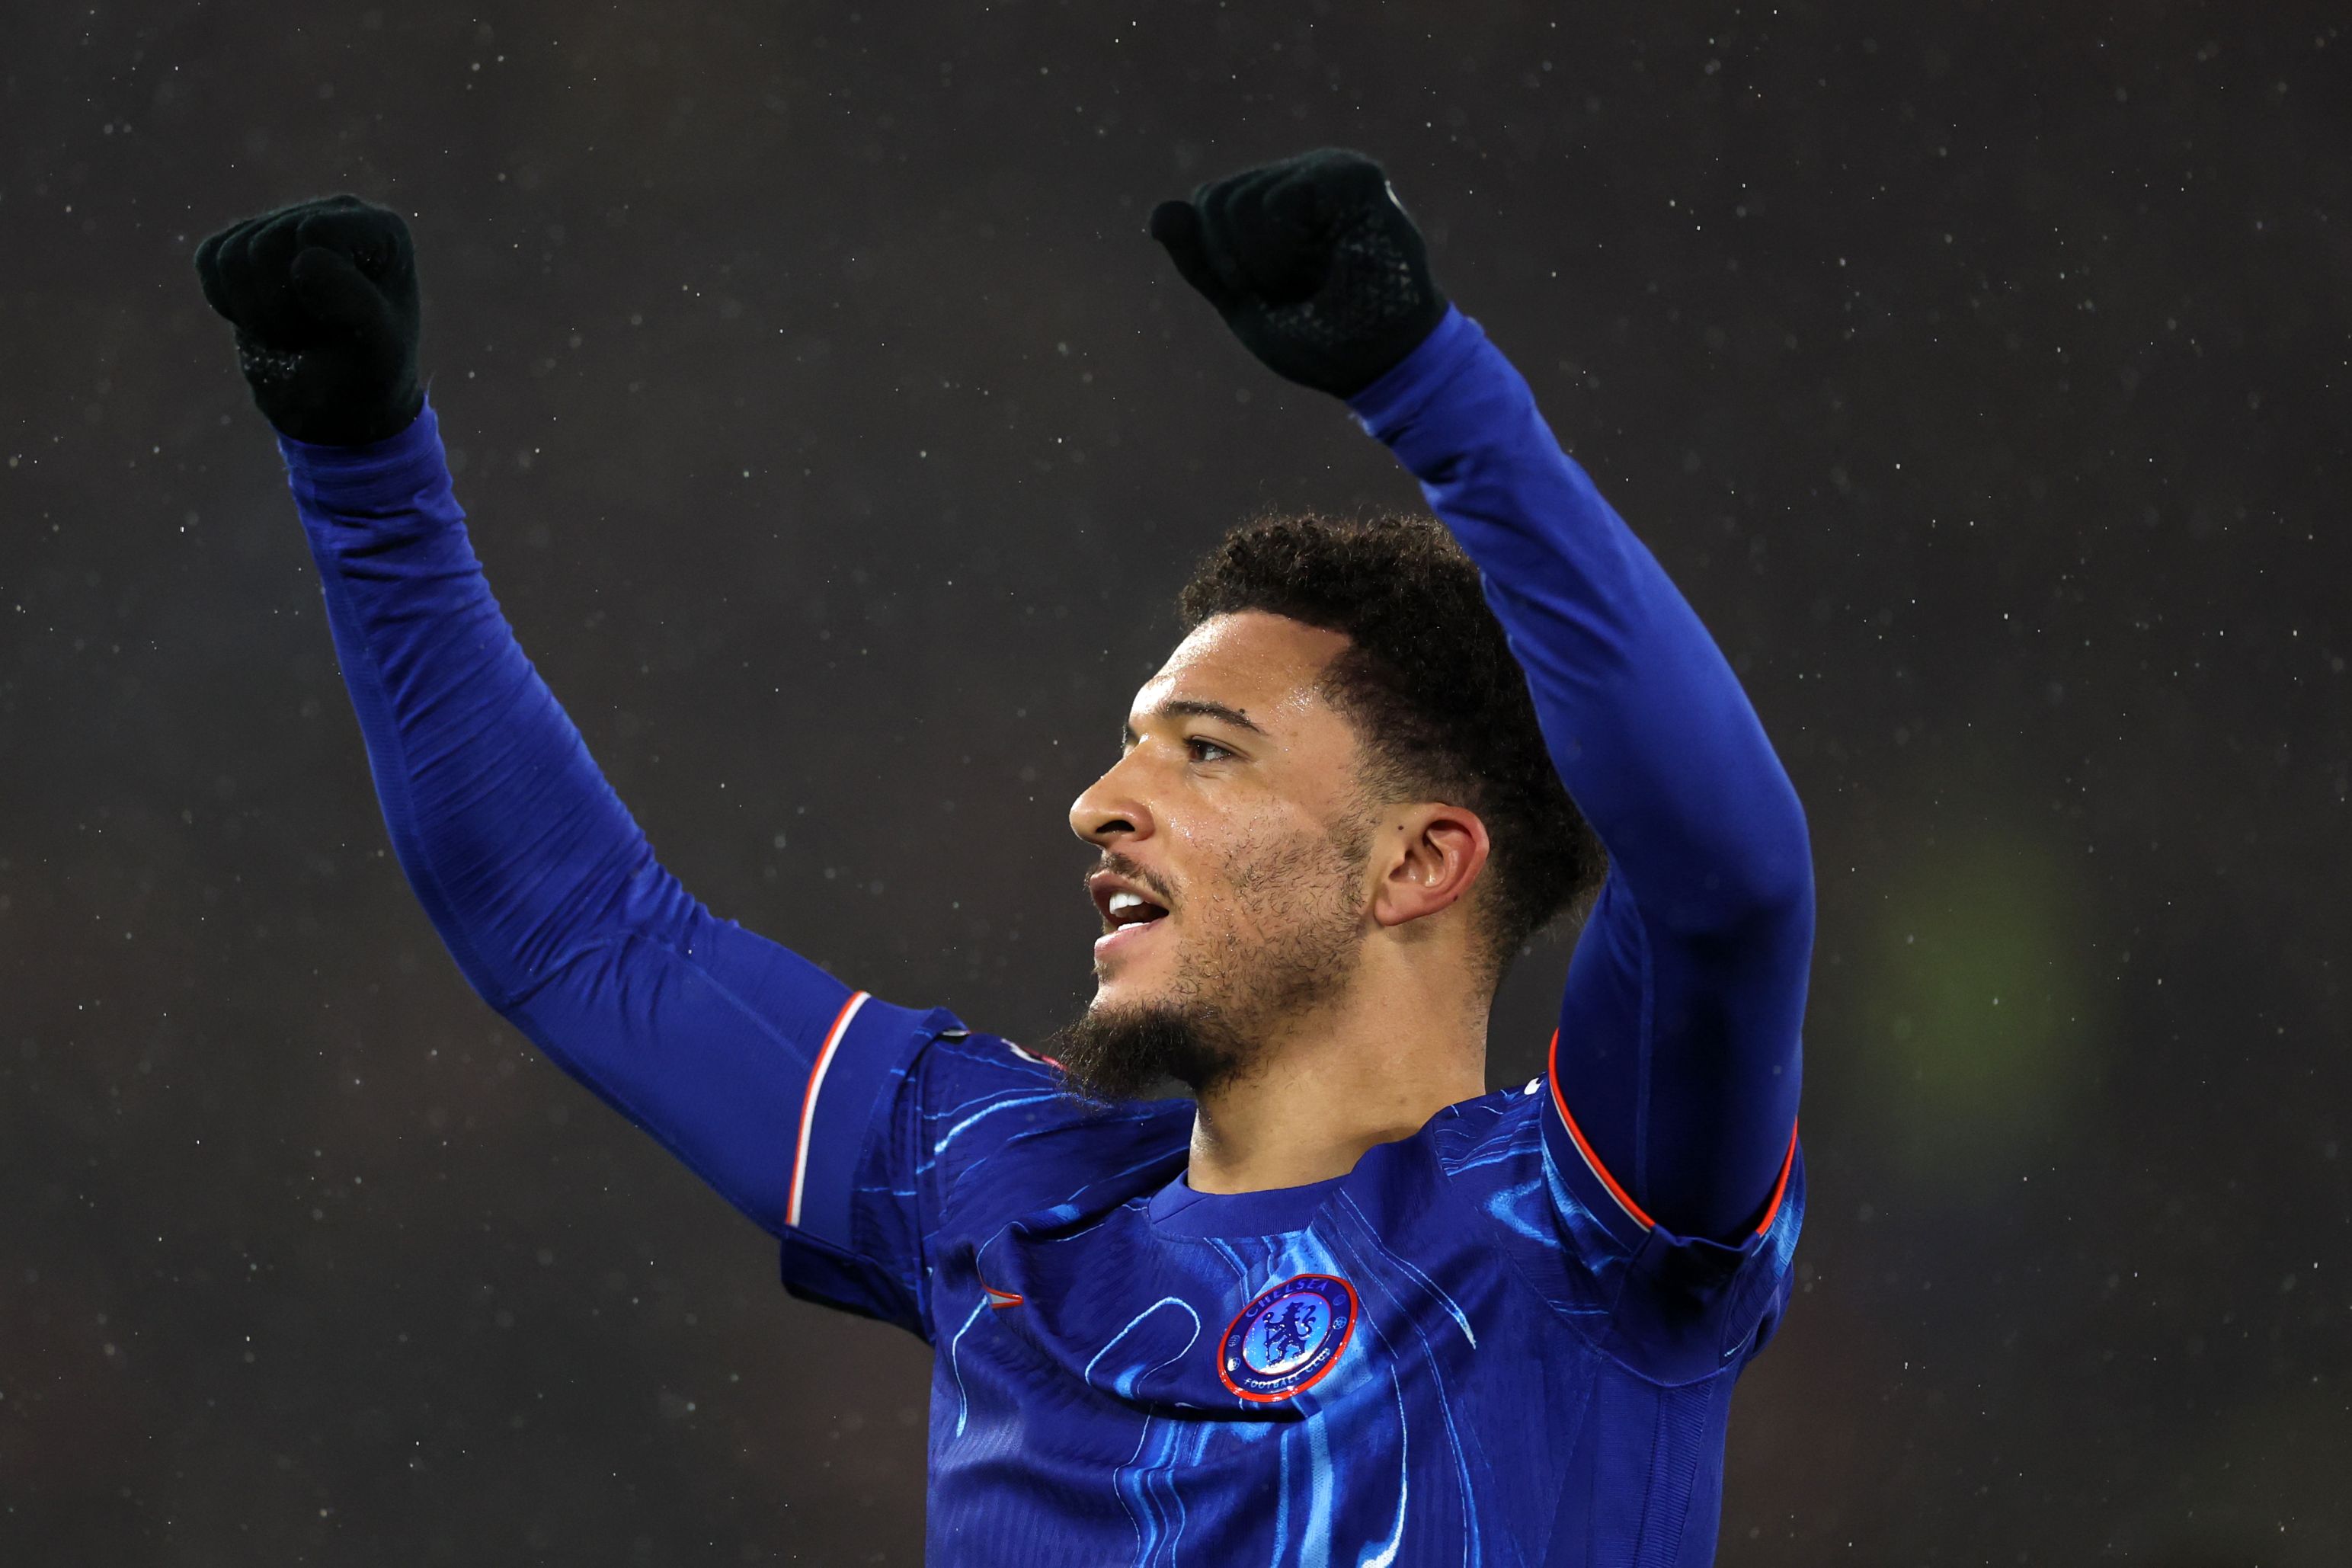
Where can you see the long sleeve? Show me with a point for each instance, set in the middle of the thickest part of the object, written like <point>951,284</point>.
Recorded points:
<point>759,1070</point>
<point>1675,1066</point>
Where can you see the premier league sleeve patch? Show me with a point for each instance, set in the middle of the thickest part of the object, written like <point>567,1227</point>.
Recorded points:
<point>1287,1337</point>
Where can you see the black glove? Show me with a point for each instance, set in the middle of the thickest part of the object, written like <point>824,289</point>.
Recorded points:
<point>1313,264</point>
<point>324,296</point>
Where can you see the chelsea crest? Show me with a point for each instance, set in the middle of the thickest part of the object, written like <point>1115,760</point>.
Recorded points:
<point>1289,1337</point>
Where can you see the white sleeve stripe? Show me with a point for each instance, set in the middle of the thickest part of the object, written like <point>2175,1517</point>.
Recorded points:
<point>808,1102</point>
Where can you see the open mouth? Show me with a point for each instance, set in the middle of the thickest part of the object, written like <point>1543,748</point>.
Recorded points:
<point>1128,910</point>
<point>1124,909</point>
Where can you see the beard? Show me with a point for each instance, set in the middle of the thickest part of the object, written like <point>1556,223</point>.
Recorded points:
<point>1111,1056</point>
<point>1282,938</point>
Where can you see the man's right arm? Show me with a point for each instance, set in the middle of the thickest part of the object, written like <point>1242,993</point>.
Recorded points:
<point>839,1123</point>
<point>759,1070</point>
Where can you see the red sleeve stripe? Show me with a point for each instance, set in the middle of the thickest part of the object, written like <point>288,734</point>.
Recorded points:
<point>1781,1187</point>
<point>1624,1199</point>
<point>808,1101</point>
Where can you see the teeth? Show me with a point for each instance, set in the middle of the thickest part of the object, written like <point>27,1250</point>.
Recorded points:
<point>1122,902</point>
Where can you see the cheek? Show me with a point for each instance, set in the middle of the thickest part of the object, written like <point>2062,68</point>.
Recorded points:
<point>1208,827</point>
<point>1220,842</point>
<point>1260,869</point>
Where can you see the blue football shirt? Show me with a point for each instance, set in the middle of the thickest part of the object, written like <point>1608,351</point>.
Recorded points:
<point>1463,1350</point>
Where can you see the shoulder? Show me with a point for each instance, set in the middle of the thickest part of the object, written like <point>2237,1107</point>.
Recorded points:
<point>1493,1132</point>
<point>1494,1153</point>
<point>998,1125</point>
<point>1672,1308</point>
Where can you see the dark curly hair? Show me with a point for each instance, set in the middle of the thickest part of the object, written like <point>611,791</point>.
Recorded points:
<point>1430,685</point>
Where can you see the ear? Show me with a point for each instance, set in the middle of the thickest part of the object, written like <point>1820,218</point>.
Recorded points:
<point>1428,857</point>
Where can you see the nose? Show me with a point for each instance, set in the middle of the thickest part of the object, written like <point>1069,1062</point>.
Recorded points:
<point>1109,811</point>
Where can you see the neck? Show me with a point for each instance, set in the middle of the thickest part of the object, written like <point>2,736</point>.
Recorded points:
<point>1370,1068</point>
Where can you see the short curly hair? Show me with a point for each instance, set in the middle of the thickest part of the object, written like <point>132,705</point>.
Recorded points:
<point>1432,686</point>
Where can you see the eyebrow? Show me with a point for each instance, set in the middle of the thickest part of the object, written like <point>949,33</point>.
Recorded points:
<point>1194,708</point>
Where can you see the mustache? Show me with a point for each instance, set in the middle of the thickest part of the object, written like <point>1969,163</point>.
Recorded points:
<point>1120,864</point>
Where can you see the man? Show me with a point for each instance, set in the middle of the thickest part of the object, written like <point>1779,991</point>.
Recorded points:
<point>1341,1305</point>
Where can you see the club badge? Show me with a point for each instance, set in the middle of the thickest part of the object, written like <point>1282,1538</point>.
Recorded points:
<point>1287,1337</point>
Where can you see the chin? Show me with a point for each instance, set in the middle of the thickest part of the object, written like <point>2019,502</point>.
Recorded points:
<point>1127,994</point>
<point>1131,996</point>
<point>1131,980</point>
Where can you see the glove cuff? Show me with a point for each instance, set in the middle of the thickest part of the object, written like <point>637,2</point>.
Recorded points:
<point>359,468</point>
<point>1387,405</point>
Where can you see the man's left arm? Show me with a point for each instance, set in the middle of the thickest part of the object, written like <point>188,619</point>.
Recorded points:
<point>1675,1073</point>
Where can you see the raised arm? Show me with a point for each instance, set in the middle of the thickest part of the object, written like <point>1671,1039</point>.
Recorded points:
<point>759,1070</point>
<point>543,887</point>
<point>1676,1068</point>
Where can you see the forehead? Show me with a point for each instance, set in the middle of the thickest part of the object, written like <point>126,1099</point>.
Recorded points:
<point>1265,664</point>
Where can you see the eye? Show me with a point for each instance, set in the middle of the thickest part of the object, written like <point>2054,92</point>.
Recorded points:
<point>1197,745</point>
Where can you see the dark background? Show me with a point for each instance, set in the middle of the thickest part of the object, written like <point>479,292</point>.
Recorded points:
<point>835,440</point>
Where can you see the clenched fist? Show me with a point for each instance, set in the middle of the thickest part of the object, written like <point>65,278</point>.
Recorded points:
<point>324,296</point>
<point>1313,265</point>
